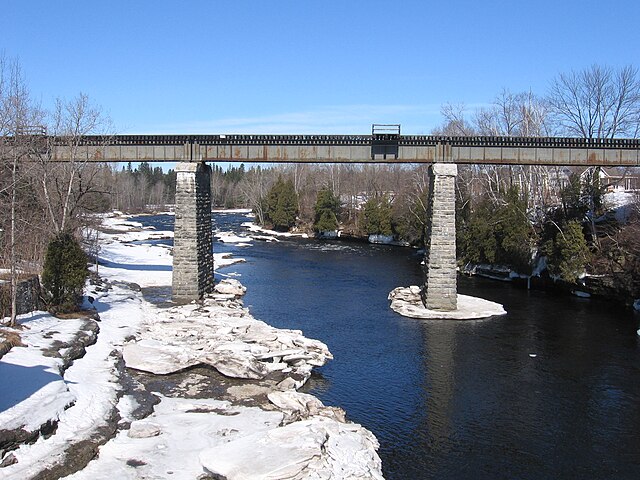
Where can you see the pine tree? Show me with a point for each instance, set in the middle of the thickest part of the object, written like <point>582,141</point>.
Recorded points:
<point>477,240</point>
<point>377,216</point>
<point>326,210</point>
<point>282,205</point>
<point>514,234</point>
<point>568,254</point>
<point>65,271</point>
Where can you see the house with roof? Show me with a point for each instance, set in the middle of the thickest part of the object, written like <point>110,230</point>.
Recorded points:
<point>615,179</point>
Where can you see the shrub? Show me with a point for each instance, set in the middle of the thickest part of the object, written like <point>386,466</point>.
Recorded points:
<point>64,274</point>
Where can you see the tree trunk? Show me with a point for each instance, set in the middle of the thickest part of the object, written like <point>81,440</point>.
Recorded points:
<point>14,272</point>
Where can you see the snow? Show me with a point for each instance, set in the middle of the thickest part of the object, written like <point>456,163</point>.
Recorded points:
<point>91,383</point>
<point>407,301</point>
<point>185,428</point>
<point>246,211</point>
<point>252,227</point>
<point>621,203</point>
<point>229,237</point>
<point>38,392</point>
<point>179,439</point>
<point>618,199</point>
<point>144,264</point>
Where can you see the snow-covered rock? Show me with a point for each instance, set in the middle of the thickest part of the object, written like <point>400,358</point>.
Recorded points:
<point>222,334</point>
<point>317,448</point>
<point>636,305</point>
<point>144,429</point>
<point>230,286</point>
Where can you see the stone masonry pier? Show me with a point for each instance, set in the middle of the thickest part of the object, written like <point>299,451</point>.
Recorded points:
<point>440,283</point>
<point>192,243</point>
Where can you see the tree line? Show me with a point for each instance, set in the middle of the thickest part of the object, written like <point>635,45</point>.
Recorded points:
<point>510,215</point>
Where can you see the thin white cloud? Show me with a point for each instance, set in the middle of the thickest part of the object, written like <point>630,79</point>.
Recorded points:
<point>345,119</point>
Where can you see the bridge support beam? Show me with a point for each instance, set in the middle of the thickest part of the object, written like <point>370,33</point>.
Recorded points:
<point>440,284</point>
<point>192,243</point>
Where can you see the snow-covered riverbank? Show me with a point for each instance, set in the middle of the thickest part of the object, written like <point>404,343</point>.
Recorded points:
<point>193,434</point>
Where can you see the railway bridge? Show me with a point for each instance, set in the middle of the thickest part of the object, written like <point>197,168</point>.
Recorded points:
<point>193,259</point>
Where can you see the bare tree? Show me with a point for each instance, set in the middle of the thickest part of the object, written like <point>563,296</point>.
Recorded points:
<point>455,123</point>
<point>65,184</point>
<point>17,117</point>
<point>597,102</point>
<point>254,187</point>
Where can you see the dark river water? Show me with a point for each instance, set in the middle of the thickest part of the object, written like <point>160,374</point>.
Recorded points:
<point>550,390</point>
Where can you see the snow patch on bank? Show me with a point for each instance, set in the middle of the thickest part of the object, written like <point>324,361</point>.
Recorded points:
<point>253,228</point>
<point>35,390</point>
<point>91,383</point>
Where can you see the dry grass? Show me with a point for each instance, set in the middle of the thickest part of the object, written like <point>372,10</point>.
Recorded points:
<point>8,340</point>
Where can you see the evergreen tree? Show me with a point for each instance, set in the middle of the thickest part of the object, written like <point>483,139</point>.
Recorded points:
<point>514,233</point>
<point>377,216</point>
<point>477,242</point>
<point>570,196</point>
<point>326,209</point>
<point>65,272</point>
<point>568,254</point>
<point>282,205</point>
<point>498,233</point>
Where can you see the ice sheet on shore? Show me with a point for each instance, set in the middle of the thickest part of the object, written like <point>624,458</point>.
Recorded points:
<point>407,302</point>
<point>226,337</point>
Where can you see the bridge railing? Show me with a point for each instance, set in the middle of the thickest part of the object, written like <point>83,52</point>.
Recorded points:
<point>347,140</point>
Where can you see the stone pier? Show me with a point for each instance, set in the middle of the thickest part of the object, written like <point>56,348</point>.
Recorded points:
<point>192,243</point>
<point>440,284</point>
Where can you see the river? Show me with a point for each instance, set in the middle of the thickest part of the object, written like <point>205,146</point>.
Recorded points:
<point>550,390</point>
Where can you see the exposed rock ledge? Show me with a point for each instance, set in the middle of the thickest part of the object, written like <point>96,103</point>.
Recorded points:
<point>407,302</point>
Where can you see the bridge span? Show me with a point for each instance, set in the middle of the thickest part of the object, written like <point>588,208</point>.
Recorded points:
<point>192,253</point>
<point>377,148</point>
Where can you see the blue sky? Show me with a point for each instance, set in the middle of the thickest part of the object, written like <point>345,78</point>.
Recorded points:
<point>269,66</point>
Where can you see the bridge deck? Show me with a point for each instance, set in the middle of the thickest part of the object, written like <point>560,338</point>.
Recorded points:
<point>379,148</point>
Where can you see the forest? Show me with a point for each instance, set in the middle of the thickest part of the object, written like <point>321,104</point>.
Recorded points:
<point>527,219</point>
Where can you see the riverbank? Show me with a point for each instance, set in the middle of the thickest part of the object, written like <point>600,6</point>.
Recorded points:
<point>588,286</point>
<point>224,403</point>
